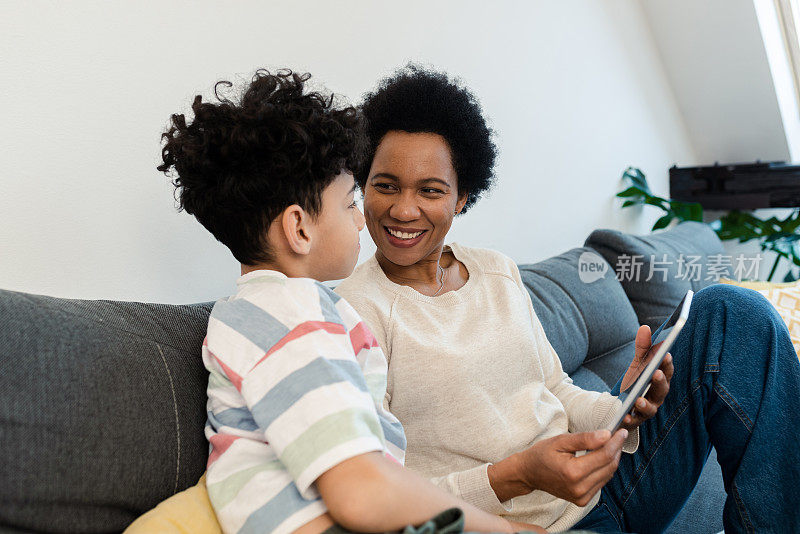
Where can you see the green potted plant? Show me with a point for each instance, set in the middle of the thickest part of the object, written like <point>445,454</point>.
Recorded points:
<point>776,235</point>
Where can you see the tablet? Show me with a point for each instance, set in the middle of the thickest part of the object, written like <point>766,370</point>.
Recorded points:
<point>665,334</point>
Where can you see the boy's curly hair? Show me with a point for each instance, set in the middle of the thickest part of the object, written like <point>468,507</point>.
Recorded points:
<point>240,164</point>
<point>416,99</point>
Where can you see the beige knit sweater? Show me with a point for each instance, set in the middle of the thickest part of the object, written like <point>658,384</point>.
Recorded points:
<point>473,379</point>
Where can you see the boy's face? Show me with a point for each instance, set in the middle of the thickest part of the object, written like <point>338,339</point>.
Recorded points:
<point>336,244</point>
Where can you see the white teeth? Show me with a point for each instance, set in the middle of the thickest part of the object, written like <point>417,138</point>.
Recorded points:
<point>404,235</point>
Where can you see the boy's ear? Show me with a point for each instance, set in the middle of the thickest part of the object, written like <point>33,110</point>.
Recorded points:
<point>296,225</point>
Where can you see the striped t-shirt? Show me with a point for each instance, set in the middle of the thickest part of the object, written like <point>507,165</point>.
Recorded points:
<point>297,384</point>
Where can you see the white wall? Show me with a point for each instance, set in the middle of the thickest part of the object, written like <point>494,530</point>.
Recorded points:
<point>575,90</point>
<point>716,63</point>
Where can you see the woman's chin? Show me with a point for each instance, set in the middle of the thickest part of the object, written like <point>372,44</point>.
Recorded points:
<point>402,258</point>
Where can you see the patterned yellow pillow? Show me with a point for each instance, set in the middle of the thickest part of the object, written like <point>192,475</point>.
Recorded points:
<point>785,297</point>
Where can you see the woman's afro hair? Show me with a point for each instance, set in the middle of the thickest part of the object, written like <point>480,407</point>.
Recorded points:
<point>239,164</point>
<point>416,99</point>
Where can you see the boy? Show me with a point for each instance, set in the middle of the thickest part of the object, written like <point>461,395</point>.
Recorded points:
<point>299,439</point>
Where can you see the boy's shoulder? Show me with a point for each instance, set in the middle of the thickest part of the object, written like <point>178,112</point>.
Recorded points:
<point>266,309</point>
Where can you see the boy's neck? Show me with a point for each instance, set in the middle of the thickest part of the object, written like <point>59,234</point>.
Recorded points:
<point>290,270</point>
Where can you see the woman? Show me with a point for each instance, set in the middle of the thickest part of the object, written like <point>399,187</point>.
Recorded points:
<point>489,414</point>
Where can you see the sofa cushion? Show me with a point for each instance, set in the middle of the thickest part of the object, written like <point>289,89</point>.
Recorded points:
<point>589,380</point>
<point>667,256</point>
<point>582,319</point>
<point>103,410</point>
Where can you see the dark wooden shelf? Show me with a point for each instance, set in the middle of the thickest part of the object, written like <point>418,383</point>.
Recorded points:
<point>741,186</point>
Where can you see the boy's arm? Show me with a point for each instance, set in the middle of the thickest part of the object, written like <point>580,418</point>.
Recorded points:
<point>370,493</point>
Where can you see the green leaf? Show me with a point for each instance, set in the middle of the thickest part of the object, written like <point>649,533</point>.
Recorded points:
<point>741,226</point>
<point>631,192</point>
<point>629,203</point>
<point>681,209</point>
<point>657,202</point>
<point>637,178</point>
<point>687,211</point>
<point>782,236</point>
<point>791,223</point>
<point>696,213</point>
<point>663,222</point>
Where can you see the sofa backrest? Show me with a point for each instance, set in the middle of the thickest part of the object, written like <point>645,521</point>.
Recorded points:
<point>102,409</point>
<point>670,262</point>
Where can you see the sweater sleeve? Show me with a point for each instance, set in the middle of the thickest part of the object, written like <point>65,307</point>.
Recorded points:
<point>472,486</point>
<point>586,410</point>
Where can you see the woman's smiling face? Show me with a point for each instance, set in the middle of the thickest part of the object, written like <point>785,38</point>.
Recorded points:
<point>411,196</point>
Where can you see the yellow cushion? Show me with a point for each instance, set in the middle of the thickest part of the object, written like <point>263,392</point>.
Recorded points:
<point>785,297</point>
<point>187,512</point>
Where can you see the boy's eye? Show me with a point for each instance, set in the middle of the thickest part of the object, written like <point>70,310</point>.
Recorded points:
<point>432,190</point>
<point>354,204</point>
<point>383,186</point>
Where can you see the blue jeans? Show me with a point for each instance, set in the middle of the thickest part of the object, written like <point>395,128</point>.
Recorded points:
<point>736,387</point>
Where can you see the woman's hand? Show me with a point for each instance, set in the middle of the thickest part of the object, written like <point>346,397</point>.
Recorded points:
<point>647,406</point>
<point>550,465</point>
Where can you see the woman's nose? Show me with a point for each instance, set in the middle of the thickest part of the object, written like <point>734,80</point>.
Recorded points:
<point>404,208</point>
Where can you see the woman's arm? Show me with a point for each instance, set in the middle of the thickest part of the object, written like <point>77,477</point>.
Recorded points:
<point>550,465</point>
<point>586,410</point>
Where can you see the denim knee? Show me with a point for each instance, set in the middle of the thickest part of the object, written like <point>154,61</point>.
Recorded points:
<point>732,316</point>
<point>736,298</point>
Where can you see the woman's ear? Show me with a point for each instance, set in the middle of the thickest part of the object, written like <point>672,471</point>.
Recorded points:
<point>462,200</point>
<point>295,223</point>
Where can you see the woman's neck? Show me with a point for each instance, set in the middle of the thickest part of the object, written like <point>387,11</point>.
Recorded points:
<point>425,271</point>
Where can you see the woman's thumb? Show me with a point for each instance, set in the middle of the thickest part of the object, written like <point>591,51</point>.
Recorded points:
<point>584,441</point>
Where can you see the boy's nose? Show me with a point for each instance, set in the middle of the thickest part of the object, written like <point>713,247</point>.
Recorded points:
<point>360,220</point>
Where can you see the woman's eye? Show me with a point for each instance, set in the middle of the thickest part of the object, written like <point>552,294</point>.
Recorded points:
<point>431,190</point>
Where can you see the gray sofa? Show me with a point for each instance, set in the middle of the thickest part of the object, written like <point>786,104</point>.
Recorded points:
<point>102,403</point>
